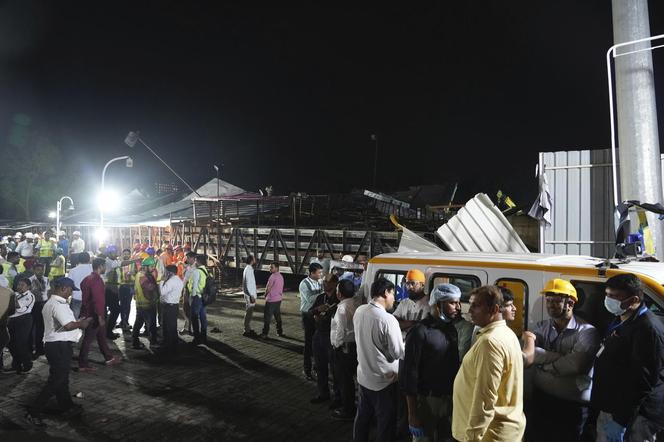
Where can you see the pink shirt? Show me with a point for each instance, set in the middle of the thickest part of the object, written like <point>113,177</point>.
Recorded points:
<point>275,288</point>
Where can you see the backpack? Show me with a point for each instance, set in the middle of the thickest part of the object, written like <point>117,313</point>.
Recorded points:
<point>209,293</point>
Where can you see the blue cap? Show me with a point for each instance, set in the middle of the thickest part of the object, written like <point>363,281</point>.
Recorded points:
<point>64,282</point>
<point>444,292</point>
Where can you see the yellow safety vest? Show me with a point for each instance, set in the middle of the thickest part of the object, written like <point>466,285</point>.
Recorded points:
<point>201,280</point>
<point>141,301</point>
<point>57,268</point>
<point>126,274</point>
<point>45,248</point>
<point>6,266</point>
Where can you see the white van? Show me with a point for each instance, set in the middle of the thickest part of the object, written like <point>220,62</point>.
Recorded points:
<point>525,275</point>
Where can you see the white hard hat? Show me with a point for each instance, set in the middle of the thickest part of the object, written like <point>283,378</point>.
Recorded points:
<point>61,233</point>
<point>347,258</point>
<point>4,240</point>
<point>18,235</point>
<point>76,232</point>
<point>29,235</point>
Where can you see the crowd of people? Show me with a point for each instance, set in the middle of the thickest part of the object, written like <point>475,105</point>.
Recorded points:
<point>425,372</point>
<point>400,369</point>
<point>49,302</point>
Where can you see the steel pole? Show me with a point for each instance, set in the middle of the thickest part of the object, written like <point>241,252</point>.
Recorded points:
<point>103,176</point>
<point>638,137</point>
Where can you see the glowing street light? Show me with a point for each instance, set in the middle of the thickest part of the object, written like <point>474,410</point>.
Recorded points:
<point>51,214</point>
<point>105,197</point>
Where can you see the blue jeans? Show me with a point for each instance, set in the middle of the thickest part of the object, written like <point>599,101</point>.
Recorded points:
<point>198,319</point>
<point>378,405</point>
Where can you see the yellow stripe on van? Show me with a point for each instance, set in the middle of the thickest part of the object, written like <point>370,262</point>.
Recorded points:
<point>565,270</point>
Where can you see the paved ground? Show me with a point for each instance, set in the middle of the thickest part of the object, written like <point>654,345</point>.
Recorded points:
<point>234,389</point>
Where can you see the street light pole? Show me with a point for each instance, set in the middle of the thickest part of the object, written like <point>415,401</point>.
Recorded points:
<point>131,140</point>
<point>58,207</point>
<point>103,176</point>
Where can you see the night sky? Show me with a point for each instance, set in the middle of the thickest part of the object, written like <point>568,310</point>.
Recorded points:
<point>464,91</point>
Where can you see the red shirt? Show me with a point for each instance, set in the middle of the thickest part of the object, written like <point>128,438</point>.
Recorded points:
<point>93,292</point>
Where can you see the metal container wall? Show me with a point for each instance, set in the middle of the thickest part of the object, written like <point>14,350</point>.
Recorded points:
<point>582,220</point>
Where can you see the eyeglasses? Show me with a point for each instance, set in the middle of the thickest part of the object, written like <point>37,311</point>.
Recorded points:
<point>412,283</point>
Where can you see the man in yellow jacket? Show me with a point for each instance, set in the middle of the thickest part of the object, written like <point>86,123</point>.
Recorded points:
<point>146,292</point>
<point>57,265</point>
<point>488,389</point>
<point>14,266</point>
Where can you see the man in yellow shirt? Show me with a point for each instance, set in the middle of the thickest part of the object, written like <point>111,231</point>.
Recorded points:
<point>488,390</point>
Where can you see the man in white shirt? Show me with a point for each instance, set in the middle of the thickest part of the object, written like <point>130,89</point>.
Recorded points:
<point>379,348</point>
<point>77,274</point>
<point>77,244</point>
<point>250,294</point>
<point>310,288</point>
<point>416,307</point>
<point>61,330</point>
<point>39,286</point>
<point>342,337</point>
<point>20,325</point>
<point>25,248</point>
<point>169,298</point>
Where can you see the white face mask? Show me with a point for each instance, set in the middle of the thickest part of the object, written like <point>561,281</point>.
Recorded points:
<point>613,306</point>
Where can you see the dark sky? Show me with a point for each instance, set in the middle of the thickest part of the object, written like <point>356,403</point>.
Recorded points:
<point>289,95</point>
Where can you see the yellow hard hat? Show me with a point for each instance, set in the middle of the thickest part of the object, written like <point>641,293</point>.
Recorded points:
<point>561,287</point>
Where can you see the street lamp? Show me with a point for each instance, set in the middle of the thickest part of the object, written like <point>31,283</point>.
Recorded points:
<point>103,194</point>
<point>133,138</point>
<point>58,208</point>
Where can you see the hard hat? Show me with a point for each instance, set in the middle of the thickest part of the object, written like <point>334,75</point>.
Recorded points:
<point>29,235</point>
<point>4,240</point>
<point>59,251</point>
<point>148,262</point>
<point>415,275</point>
<point>347,258</point>
<point>111,249</point>
<point>150,251</point>
<point>76,232</point>
<point>61,233</point>
<point>560,287</point>
<point>18,235</point>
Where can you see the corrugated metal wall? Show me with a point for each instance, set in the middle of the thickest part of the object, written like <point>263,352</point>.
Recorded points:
<point>581,188</point>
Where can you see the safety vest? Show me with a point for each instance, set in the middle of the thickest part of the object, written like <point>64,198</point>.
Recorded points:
<point>45,248</point>
<point>201,281</point>
<point>126,274</point>
<point>7,267</point>
<point>57,268</point>
<point>141,301</point>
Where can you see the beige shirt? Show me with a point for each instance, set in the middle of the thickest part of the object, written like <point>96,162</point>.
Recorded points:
<point>488,389</point>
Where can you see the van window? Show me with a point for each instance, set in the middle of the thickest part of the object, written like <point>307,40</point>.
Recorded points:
<point>520,290</point>
<point>591,304</point>
<point>466,284</point>
<point>397,278</point>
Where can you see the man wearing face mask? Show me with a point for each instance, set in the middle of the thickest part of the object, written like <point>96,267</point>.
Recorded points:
<point>561,350</point>
<point>416,306</point>
<point>430,365</point>
<point>628,385</point>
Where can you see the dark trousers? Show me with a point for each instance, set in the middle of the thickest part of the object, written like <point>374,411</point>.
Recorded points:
<point>125,304</point>
<point>113,307</point>
<point>91,333</point>
<point>323,356</point>
<point>198,319</point>
<point>147,316</point>
<point>309,326</point>
<point>570,419</point>
<point>59,356</point>
<point>37,333</point>
<point>47,264</point>
<point>345,366</point>
<point>169,314</point>
<point>272,309</point>
<point>380,405</point>
<point>19,342</point>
